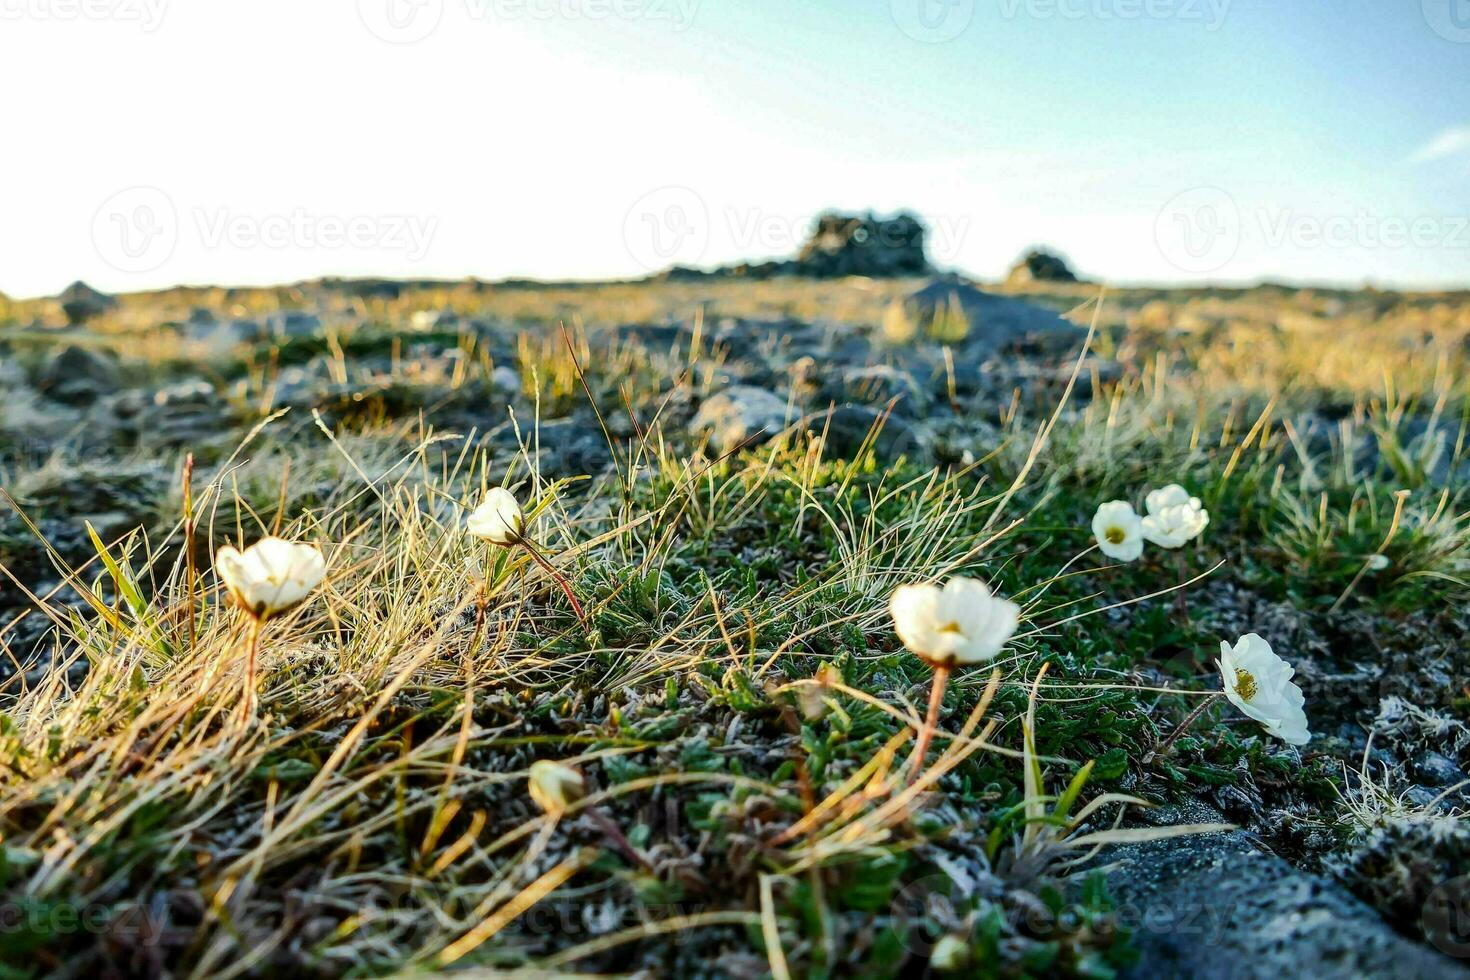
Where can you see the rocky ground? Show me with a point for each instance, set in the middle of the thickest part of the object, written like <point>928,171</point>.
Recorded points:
<point>1326,432</point>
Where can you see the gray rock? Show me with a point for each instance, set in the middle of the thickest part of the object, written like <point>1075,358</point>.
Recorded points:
<point>505,381</point>
<point>78,375</point>
<point>847,428</point>
<point>222,333</point>
<point>990,323</point>
<point>187,413</point>
<point>1220,906</point>
<point>864,245</point>
<point>658,337</point>
<point>1434,769</point>
<point>881,383</point>
<point>573,447</point>
<point>201,317</point>
<point>81,303</point>
<point>1039,265</point>
<point>289,324</point>
<point>741,416</point>
<point>1424,797</point>
<point>294,387</point>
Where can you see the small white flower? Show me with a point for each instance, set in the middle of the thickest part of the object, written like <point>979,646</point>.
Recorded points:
<point>963,623</point>
<point>555,786</point>
<point>498,519</point>
<point>1119,530</point>
<point>1174,517</point>
<point>1377,563</point>
<point>1259,683</point>
<point>951,954</point>
<point>271,575</point>
<point>812,698</point>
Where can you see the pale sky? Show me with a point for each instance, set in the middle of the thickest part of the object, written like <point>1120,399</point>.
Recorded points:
<point>157,142</point>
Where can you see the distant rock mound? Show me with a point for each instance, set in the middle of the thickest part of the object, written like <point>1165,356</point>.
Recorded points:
<point>81,303</point>
<point>864,245</point>
<point>1039,265</point>
<point>953,311</point>
<point>840,244</point>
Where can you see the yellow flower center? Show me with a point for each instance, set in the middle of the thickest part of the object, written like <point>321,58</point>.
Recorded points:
<point>1245,684</point>
<point>1115,535</point>
<point>951,628</point>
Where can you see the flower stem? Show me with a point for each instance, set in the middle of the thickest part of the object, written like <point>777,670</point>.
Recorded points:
<point>247,706</point>
<point>1183,726</point>
<point>1181,611</point>
<point>189,577</point>
<point>480,604</point>
<point>560,579</point>
<point>931,723</point>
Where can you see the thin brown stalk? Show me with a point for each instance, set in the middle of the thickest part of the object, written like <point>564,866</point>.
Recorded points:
<point>252,654</point>
<point>1183,727</point>
<point>189,571</point>
<point>560,579</point>
<point>931,722</point>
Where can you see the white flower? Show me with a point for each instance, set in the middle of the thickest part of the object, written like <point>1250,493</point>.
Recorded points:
<point>963,623</point>
<point>271,575</point>
<point>951,954</point>
<point>1119,530</point>
<point>1174,517</point>
<point>498,519</point>
<point>812,697</point>
<point>1258,682</point>
<point>555,786</point>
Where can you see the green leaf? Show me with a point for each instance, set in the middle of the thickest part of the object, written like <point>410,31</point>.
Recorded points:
<point>123,580</point>
<point>1111,765</point>
<point>1074,789</point>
